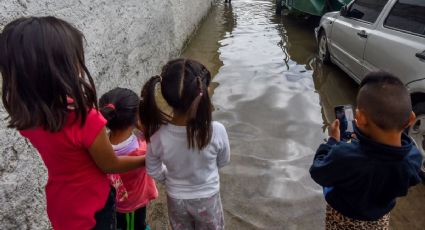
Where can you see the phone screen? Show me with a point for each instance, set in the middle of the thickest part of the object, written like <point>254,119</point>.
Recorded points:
<point>345,115</point>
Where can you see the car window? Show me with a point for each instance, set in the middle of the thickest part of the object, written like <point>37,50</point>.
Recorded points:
<point>407,15</point>
<point>366,10</point>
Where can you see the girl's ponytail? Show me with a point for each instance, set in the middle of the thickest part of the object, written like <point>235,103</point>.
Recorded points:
<point>150,115</point>
<point>108,112</point>
<point>185,88</point>
<point>198,129</point>
<point>120,107</point>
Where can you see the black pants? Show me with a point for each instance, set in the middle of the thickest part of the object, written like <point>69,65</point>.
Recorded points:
<point>132,221</point>
<point>106,217</point>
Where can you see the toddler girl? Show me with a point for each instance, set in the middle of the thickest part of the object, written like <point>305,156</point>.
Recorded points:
<point>135,188</point>
<point>51,99</point>
<point>187,149</point>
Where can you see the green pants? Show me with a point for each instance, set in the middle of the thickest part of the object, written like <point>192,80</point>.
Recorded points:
<point>132,221</point>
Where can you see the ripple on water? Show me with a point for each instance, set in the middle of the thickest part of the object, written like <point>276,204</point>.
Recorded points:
<point>266,99</point>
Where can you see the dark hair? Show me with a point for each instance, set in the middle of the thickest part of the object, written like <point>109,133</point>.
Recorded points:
<point>119,106</point>
<point>385,100</point>
<point>42,66</point>
<point>184,86</point>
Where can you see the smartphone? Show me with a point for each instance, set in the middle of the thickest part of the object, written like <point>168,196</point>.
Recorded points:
<point>345,115</point>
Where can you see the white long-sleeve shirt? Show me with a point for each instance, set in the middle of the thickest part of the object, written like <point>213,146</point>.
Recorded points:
<point>187,173</point>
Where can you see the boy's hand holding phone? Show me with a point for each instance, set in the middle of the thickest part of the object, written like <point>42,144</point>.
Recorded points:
<point>334,130</point>
<point>345,116</point>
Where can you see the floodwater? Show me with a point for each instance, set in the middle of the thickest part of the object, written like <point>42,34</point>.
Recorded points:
<point>275,100</point>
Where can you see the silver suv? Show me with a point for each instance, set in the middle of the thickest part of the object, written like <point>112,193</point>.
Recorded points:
<point>368,35</point>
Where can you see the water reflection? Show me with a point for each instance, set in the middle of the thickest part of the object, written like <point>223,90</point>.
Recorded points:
<point>219,24</point>
<point>230,19</point>
<point>334,87</point>
<point>297,42</point>
<point>269,96</point>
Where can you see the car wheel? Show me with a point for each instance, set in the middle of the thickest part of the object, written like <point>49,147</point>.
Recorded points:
<point>278,7</point>
<point>417,132</point>
<point>324,55</point>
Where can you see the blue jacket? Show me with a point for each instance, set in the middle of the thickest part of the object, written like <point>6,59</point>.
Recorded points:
<point>362,179</point>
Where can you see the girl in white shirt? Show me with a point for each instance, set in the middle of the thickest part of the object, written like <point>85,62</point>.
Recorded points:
<point>186,149</point>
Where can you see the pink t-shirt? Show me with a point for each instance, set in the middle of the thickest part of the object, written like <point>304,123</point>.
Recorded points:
<point>76,188</point>
<point>139,185</point>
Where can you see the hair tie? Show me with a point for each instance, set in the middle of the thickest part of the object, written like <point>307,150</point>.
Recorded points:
<point>110,106</point>
<point>69,100</point>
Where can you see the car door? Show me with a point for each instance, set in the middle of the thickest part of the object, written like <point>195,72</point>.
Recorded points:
<point>350,32</point>
<point>398,44</point>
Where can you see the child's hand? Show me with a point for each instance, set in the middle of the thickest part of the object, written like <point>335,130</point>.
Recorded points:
<point>334,130</point>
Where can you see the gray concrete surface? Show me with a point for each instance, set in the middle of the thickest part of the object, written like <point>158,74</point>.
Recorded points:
<point>127,42</point>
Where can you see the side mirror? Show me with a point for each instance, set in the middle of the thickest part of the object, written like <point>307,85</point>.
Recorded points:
<point>344,11</point>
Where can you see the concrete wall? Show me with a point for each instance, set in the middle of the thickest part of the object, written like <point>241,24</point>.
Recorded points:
<point>127,42</point>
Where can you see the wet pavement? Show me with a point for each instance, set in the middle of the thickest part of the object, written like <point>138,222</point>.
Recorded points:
<point>275,100</point>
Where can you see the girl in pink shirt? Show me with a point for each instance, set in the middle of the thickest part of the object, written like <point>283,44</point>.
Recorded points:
<point>51,99</point>
<point>135,188</point>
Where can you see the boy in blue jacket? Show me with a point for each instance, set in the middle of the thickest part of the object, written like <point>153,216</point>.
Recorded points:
<point>362,179</point>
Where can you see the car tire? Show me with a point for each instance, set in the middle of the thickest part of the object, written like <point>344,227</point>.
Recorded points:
<point>279,7</point>
<point>417,132</point>
<point>324,55</point>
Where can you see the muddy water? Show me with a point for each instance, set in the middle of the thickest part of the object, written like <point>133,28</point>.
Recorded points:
<point>275,100</point>
<point>267,99</point>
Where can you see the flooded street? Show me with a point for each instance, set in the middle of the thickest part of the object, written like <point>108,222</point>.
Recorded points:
<point>275,100</point>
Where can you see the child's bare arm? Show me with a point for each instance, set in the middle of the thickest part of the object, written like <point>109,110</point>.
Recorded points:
<point>102,153</point>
